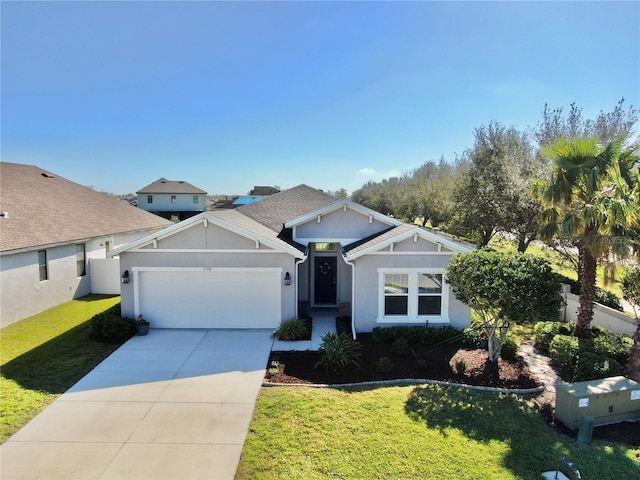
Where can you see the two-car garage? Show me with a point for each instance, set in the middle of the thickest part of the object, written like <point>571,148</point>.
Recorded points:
<point>209,297</point>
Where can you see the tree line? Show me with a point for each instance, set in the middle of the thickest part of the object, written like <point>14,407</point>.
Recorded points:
<point>489,189</point>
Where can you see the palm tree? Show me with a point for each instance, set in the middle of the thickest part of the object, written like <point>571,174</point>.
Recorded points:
<point>592,198</point>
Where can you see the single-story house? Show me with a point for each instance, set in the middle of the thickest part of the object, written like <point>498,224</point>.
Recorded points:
<point>281,257</point>
<point>51,230</point>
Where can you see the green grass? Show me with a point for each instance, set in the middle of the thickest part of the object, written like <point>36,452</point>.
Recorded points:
<point>561,264</point>
<point>412,432</point>
<point>44,355</point>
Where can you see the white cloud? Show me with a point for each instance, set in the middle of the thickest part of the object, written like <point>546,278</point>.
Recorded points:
<point>367,172</point>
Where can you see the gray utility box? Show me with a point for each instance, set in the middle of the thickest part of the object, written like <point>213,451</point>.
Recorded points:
<point>607,400</point>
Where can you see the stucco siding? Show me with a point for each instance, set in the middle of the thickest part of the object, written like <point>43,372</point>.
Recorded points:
<point>339,225</point>
<point>212,237</point>
<point>23,294</point>
<point>162,202</point>
<point>367,288</point>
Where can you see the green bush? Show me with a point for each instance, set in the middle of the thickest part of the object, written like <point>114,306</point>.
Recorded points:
<point>400,347</point>
<point>591,365</point>
<point>415,334</point>
<point>338,351</point>
<point>471,338</point>
<point>509,350</point>
<point>110,327</point>
<point>461,367</point>
<point>292,330</point>
<point>545,331</point>
<point>613,345</point>
<point>563,351</point>
<point>384,365</point>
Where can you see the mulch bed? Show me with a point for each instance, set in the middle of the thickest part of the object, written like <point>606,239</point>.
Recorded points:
<point>437,362</point>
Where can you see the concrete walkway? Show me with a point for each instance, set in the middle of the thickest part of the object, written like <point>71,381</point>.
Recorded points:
<point>324,321</point>
<point>175,404</point>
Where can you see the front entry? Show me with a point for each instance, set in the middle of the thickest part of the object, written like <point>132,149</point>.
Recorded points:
<point>325,278</point>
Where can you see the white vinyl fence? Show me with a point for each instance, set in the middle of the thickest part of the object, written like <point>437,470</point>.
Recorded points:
<point>606,317</point>
<point>105,275</point>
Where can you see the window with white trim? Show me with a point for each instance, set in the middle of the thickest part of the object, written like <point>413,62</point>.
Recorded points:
<point>412,296</point>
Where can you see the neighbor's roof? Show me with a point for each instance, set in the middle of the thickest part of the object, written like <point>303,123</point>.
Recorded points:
<point>44,209</point>
<point>162,185</point>
<point>276,210</point>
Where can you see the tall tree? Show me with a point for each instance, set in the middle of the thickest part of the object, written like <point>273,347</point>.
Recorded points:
<point>494,192</point>
<point>590,200</point>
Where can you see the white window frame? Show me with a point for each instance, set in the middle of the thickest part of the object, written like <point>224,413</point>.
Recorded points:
<point>412,316</point>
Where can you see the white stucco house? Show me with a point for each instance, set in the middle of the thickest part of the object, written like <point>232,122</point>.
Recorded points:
<point>172,197</point>
<point>51,230</point>
<point>284,256</point>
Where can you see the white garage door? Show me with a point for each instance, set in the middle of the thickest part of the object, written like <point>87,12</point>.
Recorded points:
<point>216,298</point>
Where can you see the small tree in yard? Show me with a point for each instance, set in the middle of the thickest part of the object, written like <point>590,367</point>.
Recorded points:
<point>631,293</point>
<point>504,288</point>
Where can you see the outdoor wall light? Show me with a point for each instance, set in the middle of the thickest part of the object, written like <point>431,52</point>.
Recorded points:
<point>287,279</point>
<point>125,276</point>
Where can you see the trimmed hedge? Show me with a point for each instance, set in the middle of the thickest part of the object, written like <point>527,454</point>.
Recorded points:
<point>415,334</point>
<point>110,327</point>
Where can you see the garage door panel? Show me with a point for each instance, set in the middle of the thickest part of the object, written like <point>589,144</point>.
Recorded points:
<point>210,299</point>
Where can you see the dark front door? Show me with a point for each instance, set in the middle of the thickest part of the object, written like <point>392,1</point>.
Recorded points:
<point>325,280</point>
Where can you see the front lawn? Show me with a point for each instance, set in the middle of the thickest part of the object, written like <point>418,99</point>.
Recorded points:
<point>44,355</point>
<point>413,432</point>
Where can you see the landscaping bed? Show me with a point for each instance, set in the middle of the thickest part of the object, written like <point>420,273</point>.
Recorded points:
<point>433,362</point>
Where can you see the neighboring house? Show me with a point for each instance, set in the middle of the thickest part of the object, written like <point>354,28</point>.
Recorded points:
<point>256,194</point>
<point>50,229</point>
<point>169,198</point>
<point>284,256</point>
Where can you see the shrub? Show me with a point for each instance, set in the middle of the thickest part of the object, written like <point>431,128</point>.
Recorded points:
<point>545,331</point>
<point>415,334</point>
<point>110,327</point>
<point>292,330</point>
<point>471,338</point>
<point>591,365</point>
<point>509,350</point>
<point>384,365</point>
<point>461,367</point>
<point>613,345</point>
<point>338,351</point>
<point>563,351</point>
<point>400,347</point>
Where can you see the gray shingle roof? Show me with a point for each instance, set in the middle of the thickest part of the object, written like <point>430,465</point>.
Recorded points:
<point>46,209</point>
<point>162,185</point>
<point>276,210</point>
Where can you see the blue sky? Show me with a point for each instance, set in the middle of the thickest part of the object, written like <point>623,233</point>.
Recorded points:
<point>227,95</point>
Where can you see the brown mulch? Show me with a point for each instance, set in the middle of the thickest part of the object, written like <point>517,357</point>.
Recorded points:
<point>433,363</point>
<point>423,362</point>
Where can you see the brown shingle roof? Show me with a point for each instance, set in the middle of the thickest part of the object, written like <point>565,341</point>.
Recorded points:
<point>162,185</point>
<point>46,209</point>
<point>287,205</point>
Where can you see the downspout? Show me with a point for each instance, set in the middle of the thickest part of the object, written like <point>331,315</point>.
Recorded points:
<point>353,294</point>
<point>297,267</point>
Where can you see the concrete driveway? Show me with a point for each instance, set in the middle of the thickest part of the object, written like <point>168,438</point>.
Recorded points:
<point>175,404</point>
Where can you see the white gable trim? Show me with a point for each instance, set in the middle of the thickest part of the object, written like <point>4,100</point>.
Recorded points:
<point>344,205</point>
<point>205,218</point>
<point>420,232</point>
